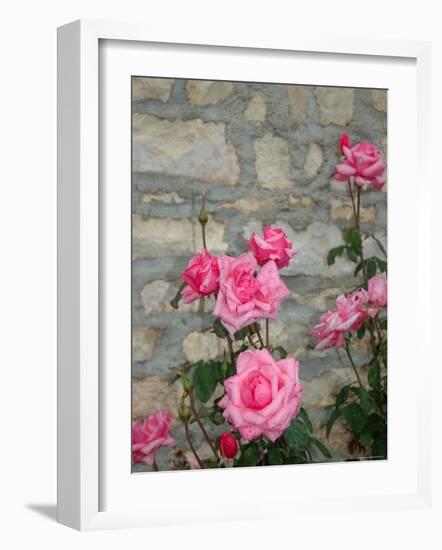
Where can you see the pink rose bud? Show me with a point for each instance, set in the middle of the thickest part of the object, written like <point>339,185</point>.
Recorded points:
<point>228,446</point>
<point>377,290</point>
<point>274,245</point>
<point>344,141</point>
<point>201,276</point>
<point>263,396</point>
<point>363,162</point>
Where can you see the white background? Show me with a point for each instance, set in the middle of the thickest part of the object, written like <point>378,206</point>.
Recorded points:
<point>28,277</point>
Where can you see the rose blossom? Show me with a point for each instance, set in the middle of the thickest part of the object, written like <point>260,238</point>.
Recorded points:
<point>362,161</point>
<point>151,435</point>
<point>349,315</point>
<point>264,395</point>
<point>273,246</point>
<point>228,446</point>
<point>201,276</point>
<point>377,290</point>
<point>243,298</point>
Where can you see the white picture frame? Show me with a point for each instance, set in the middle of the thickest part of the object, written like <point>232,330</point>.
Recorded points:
<point>80,393</point>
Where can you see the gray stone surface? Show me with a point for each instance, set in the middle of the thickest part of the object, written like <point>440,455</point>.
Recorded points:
<point>263,154</point>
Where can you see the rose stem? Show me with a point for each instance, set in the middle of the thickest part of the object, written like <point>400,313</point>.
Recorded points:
<point>349,184</point>
<point>267,334</point>
<point>230,344</point>
<point>192,446</point>
<point>259,334</point>
<point>347,349</point>
<point>357,225</point>
<point>200,424</point>
<point>155,467</point>
<point>250,339</point>
<point>203,219</point>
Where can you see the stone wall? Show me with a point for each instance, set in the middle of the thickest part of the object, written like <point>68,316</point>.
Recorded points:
<point>263,153</point>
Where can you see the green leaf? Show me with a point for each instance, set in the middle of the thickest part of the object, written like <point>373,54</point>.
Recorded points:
<point>274,456</point>
<point>353,238</point>
<point>282,352</point>
<point>358,268</point>
<point>240,334</point>
<point>342,396</point>
<point>249,457</point>
<point>361,332</point>
<point>219,329</point>
<point>371,267</point>
<point>205,378</point>
<point>351,254</point>
<point>333,417</point>
<point>365,439</point>
<point>176,300</point>
<point>322,448</point>
<point>374,375</point>
<point>366,401</point>
<point>382,265</point>
<point>355,417</point>
<point>379,447</point>
<point>297,437</point>
<point>334,252</point>
<point>304,416</point>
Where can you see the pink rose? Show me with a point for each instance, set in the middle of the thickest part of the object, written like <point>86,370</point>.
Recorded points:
<point>362,161</point>
<point>377,290</point>
<point>264,395</point>
<point>201,276</point>
<point>150,436</point>
<point>228,446</point>
<point>349,315</point>
<point>274,246</point>
<point>344,141</point>
<point>244,297</point>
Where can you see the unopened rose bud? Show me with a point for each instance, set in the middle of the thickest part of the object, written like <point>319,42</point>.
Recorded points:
<point>187,384</point>
<point>227,446</point>
<point>183,412</point>
<point>203,218</point>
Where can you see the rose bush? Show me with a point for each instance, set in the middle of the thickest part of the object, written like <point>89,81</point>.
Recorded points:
<point>361,314</point>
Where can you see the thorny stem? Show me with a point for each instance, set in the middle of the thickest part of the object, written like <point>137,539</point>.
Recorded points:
<point>255,326</point>
<point>203,224</point>
<point>200,424</point>
<point>349,184</point>
<point>350,358</point>
<point>357,225</point>
<point>192,446</point>
<point>267,334</point>
<point>230,344</point>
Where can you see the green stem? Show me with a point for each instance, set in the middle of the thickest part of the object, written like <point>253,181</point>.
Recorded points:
<point>202,428</point>
<point>350,358</point>
<point>256,328</point>
<point>192,446</point>
<point>267,334</point>
<point>155,467</point>
<point>349,184</point>
<point>230,344</point>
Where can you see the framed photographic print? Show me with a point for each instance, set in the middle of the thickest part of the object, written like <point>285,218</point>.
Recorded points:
<point>228,253</point>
